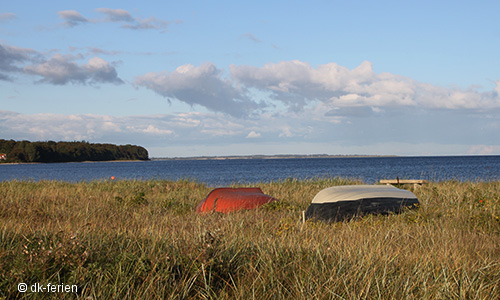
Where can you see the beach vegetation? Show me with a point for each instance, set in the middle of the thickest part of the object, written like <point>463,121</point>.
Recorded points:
<point>133,239</point>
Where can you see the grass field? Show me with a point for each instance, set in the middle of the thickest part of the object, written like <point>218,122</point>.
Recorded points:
<point>142,240</point>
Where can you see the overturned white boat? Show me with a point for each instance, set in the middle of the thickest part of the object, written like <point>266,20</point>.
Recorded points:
<point>344,202</point>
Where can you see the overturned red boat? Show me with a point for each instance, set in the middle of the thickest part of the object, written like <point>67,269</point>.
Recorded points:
<point>226,200</point>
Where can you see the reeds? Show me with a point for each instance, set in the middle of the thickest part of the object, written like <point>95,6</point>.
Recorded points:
<point>142,240</point>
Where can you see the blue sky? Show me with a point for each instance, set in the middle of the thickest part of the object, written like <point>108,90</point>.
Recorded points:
<point>229,78</point>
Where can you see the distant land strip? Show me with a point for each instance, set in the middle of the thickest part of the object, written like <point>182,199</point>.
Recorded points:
<point>277,156</point>
<point>49,152</point>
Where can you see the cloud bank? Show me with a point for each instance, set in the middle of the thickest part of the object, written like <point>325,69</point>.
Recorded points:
<point>270,133</point>
<point>332,90</point>
<point>297,83</point>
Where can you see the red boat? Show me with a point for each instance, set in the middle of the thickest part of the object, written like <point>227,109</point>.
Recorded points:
<point>226,200</point>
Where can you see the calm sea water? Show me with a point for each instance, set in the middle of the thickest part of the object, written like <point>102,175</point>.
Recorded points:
<point>225,172</point>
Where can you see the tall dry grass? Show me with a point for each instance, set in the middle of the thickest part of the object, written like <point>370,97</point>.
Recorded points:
<point>142,240</point>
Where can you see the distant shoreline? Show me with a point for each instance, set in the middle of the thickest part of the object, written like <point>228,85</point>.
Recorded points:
<point>278,156</point>
<point>249,157</point>
<point>295,156</point>
<point>66,162</point>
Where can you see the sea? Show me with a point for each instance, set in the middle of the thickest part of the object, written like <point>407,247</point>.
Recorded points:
<point>223,172</point>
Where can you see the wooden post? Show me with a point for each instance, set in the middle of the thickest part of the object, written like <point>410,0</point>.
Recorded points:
<point>397,181</point>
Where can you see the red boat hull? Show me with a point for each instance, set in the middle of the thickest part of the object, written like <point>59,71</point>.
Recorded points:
<point>226,200</point>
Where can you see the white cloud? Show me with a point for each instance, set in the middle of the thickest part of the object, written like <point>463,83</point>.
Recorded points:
<point>202,85</point>
<point>72,18</point>
<point>252,134</point>
<point>12,58</point>
<point>61,69</point>
<point>151,129</point>
<point>116,15</point>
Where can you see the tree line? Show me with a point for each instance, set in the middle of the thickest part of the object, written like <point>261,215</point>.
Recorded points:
<point>50,151</point>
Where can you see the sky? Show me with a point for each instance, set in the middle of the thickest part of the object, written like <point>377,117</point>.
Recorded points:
<point>209,78</point>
